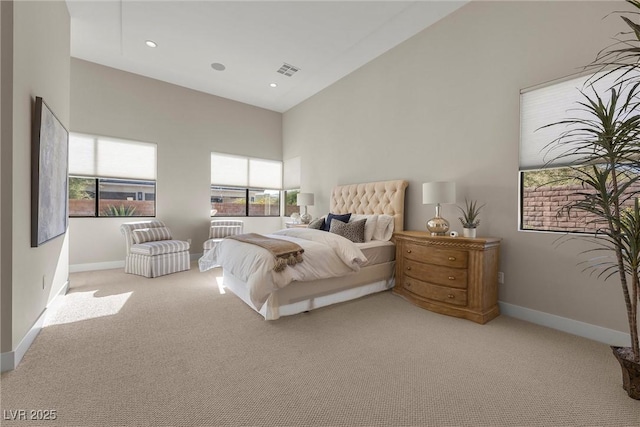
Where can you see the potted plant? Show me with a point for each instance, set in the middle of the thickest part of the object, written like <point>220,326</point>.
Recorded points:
<point>605,135</point>
<point>469,218</point>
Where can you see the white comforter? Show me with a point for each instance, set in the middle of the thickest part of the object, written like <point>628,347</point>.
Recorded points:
<point>325,255</point>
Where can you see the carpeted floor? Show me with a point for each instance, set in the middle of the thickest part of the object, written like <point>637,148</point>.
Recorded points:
<point>123,350</point>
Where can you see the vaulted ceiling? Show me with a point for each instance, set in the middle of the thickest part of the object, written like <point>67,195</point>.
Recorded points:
<point>241,49</point>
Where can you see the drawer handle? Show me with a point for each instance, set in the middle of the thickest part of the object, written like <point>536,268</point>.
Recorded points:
<point>452,278</point>
<point>408,285</point>
<point>408,251</point>
<point>450,296</point>
<point>409,268</point>
<point>452,258</point>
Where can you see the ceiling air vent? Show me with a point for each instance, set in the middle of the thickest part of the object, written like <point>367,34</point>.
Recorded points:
<point>288,69</point>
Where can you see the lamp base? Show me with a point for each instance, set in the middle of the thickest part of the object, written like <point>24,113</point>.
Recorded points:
<point>305,218</point>
<point>438,226</point>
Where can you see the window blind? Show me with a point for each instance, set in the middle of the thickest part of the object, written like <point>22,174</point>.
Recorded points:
<point>292,173</point>
<point>237,171</point>
<point>265,174</point>
<point>229,170</point>
<point>552,103</point>
<point>102,157</point>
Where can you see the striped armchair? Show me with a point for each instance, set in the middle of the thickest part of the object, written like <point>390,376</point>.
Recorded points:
<point>221,228</point>
<point>151,251</point>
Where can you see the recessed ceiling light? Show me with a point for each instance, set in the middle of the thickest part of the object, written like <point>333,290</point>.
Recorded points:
<point>218,66</point>
<point>151,43</point>
<point>273,85</point>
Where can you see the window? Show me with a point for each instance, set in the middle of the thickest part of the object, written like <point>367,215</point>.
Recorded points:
<point>290,202</point>
<point>292,185</point>
<point>545,184</point>
<point>111,177</point>
<point>242,186</point>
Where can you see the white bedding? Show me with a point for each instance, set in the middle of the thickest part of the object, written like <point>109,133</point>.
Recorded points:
<point>325,255</point>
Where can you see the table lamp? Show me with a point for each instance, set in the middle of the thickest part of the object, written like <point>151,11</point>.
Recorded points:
<point>305,199</point>
<point>437,193</point>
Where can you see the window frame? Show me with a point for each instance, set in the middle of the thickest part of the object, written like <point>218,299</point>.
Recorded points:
<point>96,199</point>
<point>247,180</point>
<point>247,203</point>
<point>533,152</point>
<point>92,157</point>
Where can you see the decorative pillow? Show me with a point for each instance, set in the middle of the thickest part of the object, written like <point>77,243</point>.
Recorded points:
<point>330,217</point>
<point>317,224</point>
<point>369,226</point>
<point>144,235</point>
<point>353,231</point>
<point>384,228</point>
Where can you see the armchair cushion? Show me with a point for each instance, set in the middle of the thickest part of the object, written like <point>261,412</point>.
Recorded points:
<point>160,247</point>
<point>144,235</point>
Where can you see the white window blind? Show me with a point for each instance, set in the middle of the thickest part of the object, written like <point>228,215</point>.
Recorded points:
<point>236,171</point>
<point>101,157</point>
<point>265,174</point>
<point>292,173</point>
<point>552,103</point>
<point>229,170</point>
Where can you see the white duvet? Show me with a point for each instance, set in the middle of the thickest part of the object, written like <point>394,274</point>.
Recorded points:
<point>325,255</point>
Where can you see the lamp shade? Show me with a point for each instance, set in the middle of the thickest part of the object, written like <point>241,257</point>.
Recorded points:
<point>305,199</point>
<point>438,192</point>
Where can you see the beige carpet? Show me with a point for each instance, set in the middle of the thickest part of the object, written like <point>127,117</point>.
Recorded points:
<point>172,351</point>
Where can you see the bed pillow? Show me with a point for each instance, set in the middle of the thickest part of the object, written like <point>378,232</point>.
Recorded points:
<point>143,235</point>
<point>317,224</point>
<point>330,217</point>
<point>384,228</point>
<point>353,231</point>
<point>369,226</point>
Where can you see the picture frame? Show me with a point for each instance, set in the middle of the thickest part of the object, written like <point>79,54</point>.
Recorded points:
<point>49,175</point>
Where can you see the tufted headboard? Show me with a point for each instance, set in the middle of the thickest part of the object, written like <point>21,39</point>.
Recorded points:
<point>371,198</point>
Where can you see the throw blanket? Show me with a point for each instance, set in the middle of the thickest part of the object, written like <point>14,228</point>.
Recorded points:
<point>286,253</point>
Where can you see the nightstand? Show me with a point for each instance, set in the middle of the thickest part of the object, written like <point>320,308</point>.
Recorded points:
<point>456,276</point>
<point>293,225</point>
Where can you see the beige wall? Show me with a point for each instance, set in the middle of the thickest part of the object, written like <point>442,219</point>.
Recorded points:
<point>444,105</point>
<point>187,126</point>
<point>39,67</point>
<point>6,126</point>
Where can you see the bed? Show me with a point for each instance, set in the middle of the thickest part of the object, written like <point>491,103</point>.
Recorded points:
<point>367,267</point>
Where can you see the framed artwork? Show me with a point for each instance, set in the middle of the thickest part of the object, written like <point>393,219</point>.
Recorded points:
<point>49,176</point>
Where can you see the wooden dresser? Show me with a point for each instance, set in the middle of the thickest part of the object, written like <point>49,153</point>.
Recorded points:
<point>457,276</point>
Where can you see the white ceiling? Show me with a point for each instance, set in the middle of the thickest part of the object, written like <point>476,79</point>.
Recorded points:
<point>325,39</point>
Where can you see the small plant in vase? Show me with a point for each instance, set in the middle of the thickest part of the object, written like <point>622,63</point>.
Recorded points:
<point>469,218</point>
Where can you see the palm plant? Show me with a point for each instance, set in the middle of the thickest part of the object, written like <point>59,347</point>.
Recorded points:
<point>608,139</point>
<point>605,136</point>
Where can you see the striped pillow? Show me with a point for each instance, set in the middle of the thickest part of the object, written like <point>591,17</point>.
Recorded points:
<point>143,235</point>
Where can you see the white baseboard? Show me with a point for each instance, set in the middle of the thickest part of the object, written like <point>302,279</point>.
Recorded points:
<point>10,360</point>
<point>75,268</point>
<point>109,265</point>
<point>575,327</point>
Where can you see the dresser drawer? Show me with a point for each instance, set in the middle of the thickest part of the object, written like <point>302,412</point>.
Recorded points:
<point>441,275</point>
<point>447,257</point>
<point>434,292</point>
